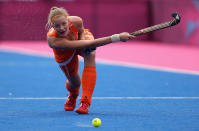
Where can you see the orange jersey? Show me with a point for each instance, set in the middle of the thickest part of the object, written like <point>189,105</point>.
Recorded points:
<point>62,55</point>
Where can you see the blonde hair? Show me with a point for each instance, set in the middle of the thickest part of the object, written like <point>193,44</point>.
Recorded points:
<point>55,11</point>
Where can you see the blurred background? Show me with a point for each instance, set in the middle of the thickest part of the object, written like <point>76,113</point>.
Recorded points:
<point>25,20</point>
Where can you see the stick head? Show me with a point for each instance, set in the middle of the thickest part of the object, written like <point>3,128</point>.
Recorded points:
<point>177,19</point>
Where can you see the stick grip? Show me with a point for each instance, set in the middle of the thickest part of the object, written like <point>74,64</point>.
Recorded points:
<point>151,28</point>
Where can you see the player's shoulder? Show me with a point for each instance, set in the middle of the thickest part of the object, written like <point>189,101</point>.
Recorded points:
<point>51,32</point>
<point>76,20</point>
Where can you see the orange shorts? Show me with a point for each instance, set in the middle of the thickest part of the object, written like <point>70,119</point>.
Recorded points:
<point>71,66</point>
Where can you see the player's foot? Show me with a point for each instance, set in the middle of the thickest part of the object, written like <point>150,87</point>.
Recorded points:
<point>84,107</point>
<point>70,102</point>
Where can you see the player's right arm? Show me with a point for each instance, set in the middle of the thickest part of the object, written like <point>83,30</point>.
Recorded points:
<point>61,43</point>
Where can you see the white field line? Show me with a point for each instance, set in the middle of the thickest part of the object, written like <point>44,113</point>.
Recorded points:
<point>102,98</point>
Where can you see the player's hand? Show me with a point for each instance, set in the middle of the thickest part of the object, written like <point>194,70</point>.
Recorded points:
<point>125,36</point>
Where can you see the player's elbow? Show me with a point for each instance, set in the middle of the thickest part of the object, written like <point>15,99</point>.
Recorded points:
<point>55,46</point>
<point>51,45</point>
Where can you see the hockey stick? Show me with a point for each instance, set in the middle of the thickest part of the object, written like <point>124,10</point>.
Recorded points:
<point>158,26</point>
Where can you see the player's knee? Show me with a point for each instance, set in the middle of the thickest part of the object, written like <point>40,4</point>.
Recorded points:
<point>89,59</point>
<point>75,84</point>
<point>75,80</point>
<point>92,55</point>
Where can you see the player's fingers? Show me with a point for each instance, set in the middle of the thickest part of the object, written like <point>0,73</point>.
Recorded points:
<point>131,36</point>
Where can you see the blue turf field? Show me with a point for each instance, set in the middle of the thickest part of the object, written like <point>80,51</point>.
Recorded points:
<point>32,94</point>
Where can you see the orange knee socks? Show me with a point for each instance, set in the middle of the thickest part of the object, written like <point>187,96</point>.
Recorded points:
<point>89,76</point>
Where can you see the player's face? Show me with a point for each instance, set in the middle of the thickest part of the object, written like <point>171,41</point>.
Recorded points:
<point>60,24</point>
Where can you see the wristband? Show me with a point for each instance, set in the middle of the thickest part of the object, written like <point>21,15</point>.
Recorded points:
<point>115,38</point>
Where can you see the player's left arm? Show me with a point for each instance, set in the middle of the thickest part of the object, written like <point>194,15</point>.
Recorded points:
<point>81,34</point>
<point>78,23</point>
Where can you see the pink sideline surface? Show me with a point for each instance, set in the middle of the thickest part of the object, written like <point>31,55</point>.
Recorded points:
<point>155,56</point>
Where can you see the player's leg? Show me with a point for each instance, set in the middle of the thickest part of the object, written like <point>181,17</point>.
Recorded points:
<point>89,76</point>
<point>73,83</point>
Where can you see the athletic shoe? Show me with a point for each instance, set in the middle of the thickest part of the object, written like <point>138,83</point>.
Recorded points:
<point>84,107</point>
<point>70,102</point>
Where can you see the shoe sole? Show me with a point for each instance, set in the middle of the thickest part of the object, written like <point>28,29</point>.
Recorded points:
<point>69,109</point>
<point>79,112</point>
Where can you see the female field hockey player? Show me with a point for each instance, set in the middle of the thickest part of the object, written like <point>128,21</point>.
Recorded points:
<point>68,39</point>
